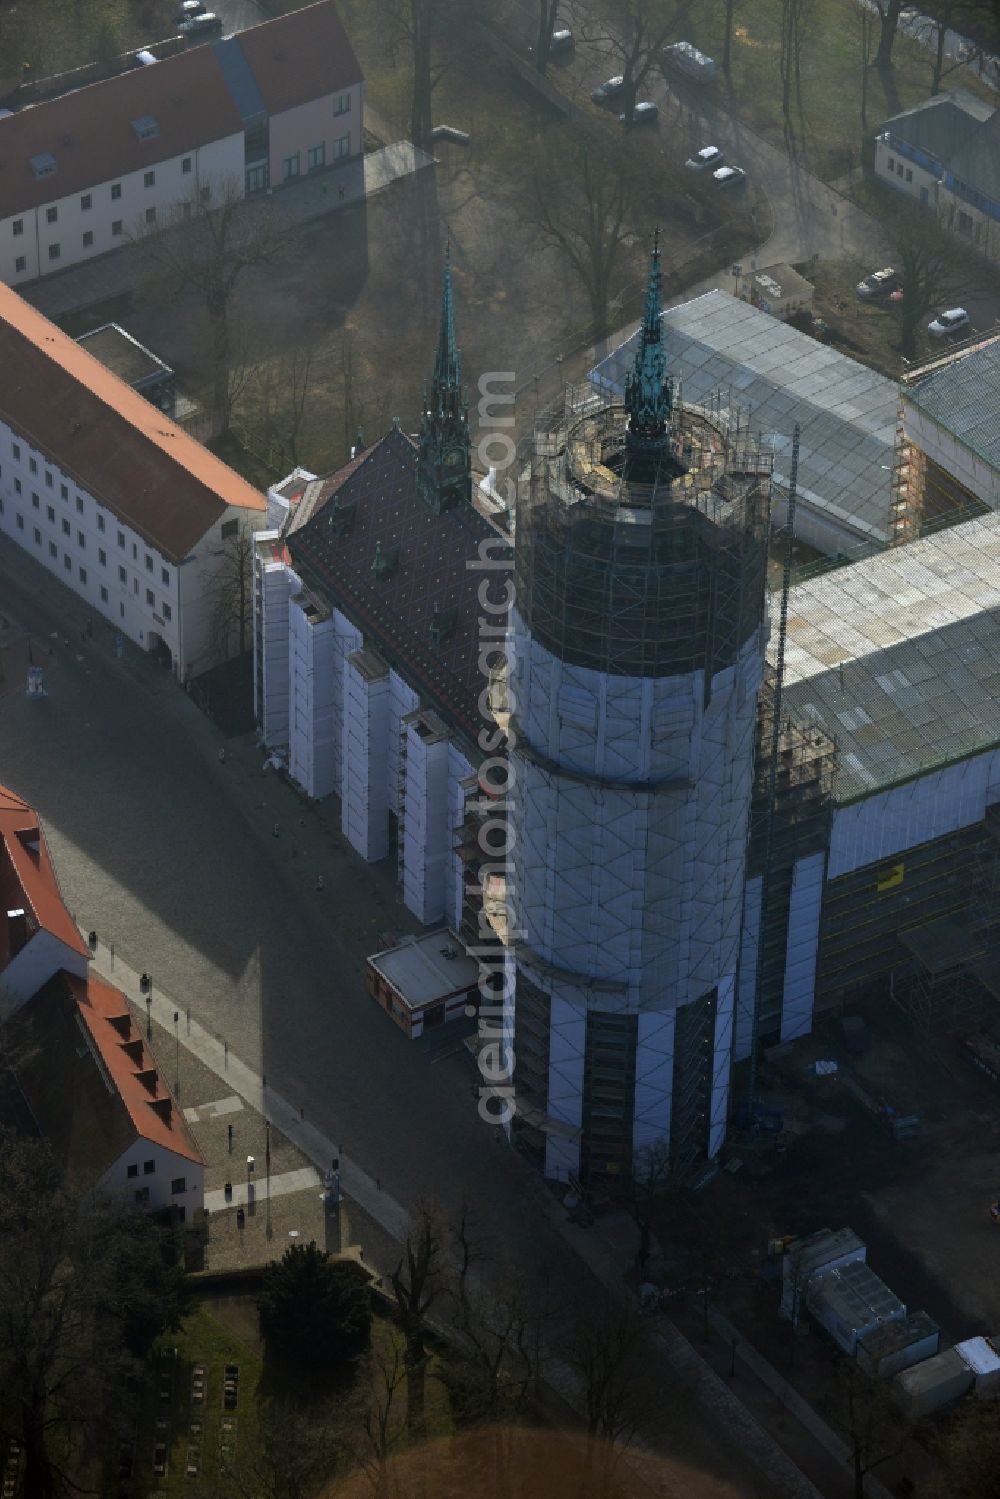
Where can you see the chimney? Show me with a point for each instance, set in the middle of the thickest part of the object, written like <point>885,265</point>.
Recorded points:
<point>17,930</point>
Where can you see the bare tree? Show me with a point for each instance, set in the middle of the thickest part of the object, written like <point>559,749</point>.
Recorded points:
<point>925,260</point>
<point>888,15</point>
<point>649,1179</point>
<point>427,30</point>
<point>292,1452</point>
<point>272,404</point>
<point>634,39</point>
<point>580,199</point>
<point>207,246</point>
<point>866,24</point>
<point>230,594</point>
<point>946,15</point>
<point>547,10</point>
<point>795,15</point>
<point>604,1354</point>
<point>416,1285</point>
<point>388,1371</point>
<point>969,1452</point>
<point>727,39</point>
<point>872,1424</point>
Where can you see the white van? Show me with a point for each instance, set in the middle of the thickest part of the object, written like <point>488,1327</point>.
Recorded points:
<point>687,59</point>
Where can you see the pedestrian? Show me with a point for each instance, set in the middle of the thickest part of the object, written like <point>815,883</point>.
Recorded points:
<point>222,754</point>
<point>274,831</point>
<point>319,882</point>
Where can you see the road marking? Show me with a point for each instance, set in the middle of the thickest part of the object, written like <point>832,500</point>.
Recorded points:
<point>206,1111</point>
<point>302,1180</point>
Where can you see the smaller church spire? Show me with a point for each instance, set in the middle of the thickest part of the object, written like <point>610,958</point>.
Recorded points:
<point>447,367</point>
<point>649,395</point>
<point>444,462</point>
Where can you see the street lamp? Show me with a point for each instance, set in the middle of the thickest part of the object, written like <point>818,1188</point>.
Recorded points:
<point>737,273</point>
<point>267,1169</point>
<point>177,1056</point>
<point>146,988</point>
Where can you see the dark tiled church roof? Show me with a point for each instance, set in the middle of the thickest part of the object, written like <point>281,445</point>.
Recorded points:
<point>422,586</point>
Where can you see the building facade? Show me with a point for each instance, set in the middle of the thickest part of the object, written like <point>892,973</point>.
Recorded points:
<point>95,168</point>
<point>139,520</point>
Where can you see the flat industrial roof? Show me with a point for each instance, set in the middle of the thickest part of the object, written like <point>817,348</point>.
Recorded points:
<point>898,656</point>
<point>963,397</point>
<point>428,968</point>
<point>846,412</point>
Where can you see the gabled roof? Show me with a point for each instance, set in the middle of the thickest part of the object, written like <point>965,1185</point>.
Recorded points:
<point>300,56</point>
<point>27,879</point>
<point>114,443</point>
<point>89,132</point>
<point>67,1046</point>
<point>963,397</point>
<point>977,161</point>
<point>426,557</point>
<point>939,125</point>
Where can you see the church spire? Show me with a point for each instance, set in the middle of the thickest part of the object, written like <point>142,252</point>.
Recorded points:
<point>649,394</point>
<point>444,463</point>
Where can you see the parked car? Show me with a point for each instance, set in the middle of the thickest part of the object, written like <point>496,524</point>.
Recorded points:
<point>707,157</point>
<point>879,284</point>
<point>687,59</point>
<point>645,113</point>
<point>731,177</point>
<point>145,58</point>
<point>561,41</point>
<point>955,320</point>
<point>200,25</point>
<point>608,90</point>
<point>190,8</point>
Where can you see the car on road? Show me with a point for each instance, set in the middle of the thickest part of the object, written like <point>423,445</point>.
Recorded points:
<point>731,177</point>
<point>645,113</point>
<point>560,41</point>
<point>200,25</point>
<point>190,8</point>
<point>879,284</point>
<point>955,320</point>
<point>608,90</point>
<point>707,157</point>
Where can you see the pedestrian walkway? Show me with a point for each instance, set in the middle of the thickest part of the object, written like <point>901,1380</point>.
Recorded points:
<point>262,1189</point>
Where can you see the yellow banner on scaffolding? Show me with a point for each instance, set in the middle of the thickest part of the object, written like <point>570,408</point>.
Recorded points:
<point>889,878</point>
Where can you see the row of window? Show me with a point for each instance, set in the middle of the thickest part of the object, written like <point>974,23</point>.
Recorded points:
<point>165,610</point>
<point>315,158</point>
<point>87,199</point>
<point>117,230</point>
<point>178,1185</point>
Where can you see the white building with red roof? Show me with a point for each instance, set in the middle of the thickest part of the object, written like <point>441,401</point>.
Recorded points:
<point>87,1080</point>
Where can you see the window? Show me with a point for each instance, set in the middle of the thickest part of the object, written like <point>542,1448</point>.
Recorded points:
<point>135,552</point>
<point>16,450</point>
<point>148,1167</point>
<point>20,522</point>
<point>135,585</point>
<point>66,529</point>
<point>54,252</point>
<point>342,147</point>
<point>20,263</point>
<point>229,528</point>
<point>81,540</point>
<point>166,611</point>
<point>48,479</point>
<point>104,594</point>
<point>150,215</point>
<point>142,1195</point>
<point>899,169</point>
<point>342,104</point>
<point>149,563</point>
<point>179,1184</point>
<point>79,504</point>
<point>88,238</point>
<point>186,165</point>
<point>923,195</point>
<point>50,515</point>
<point>133,1170</point>
<point>18,226</point>
<point>909,175</point>
<point>205,194</point>
<point>290,167</point>
<point>150,600</point>
<point>122,575</point>
<point>35,502</point>
<point>102,557</point>
<point>149,179</point>
<point>100,521</point>
<point>116,228</point>
<point>83,574</point>
<point>892,164</point>
<point>38,537</point>
<point>121,610</point>
<point>164,577</point>
<point>64,492</point>
<point>256,179</point>
<point>51,215</point>
<point>121,539</point>
<point>317,156</point>
<point>17,486</point>
<point>67,562</point>
<point>53,550</point>
<point>116,191</point>
<point>85,202</point>
<point>33,465</point>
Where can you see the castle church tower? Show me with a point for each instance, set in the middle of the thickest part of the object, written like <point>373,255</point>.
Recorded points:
<point>444,466</point>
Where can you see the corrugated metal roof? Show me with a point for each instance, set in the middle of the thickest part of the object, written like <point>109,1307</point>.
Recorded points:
<point>846,412</point>
<point>964,398</point>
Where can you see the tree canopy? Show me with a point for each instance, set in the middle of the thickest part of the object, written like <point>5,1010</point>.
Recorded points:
<point>313,1308</point>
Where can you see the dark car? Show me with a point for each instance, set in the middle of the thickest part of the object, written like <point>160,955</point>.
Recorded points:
<point>608,90</point>
<point>879,284</point>
<point>200,25</point>
<point>643,114</point>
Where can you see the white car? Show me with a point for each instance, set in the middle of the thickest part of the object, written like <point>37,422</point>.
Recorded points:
<point>709,157</point>
<point>729,177</point>
<point>955,320</point>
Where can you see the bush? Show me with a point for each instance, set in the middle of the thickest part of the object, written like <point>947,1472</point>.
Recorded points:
<point>313,1308</point>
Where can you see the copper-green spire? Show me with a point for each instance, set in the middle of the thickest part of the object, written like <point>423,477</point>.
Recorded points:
<point>649,394</point>
<point>447,367</point>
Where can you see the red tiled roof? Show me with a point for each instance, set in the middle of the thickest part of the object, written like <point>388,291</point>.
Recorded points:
<point>89,131</point>
<point>300,56</point>
<point>27,877</point>
<point>152,1107</point>
<point>110,439</point>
